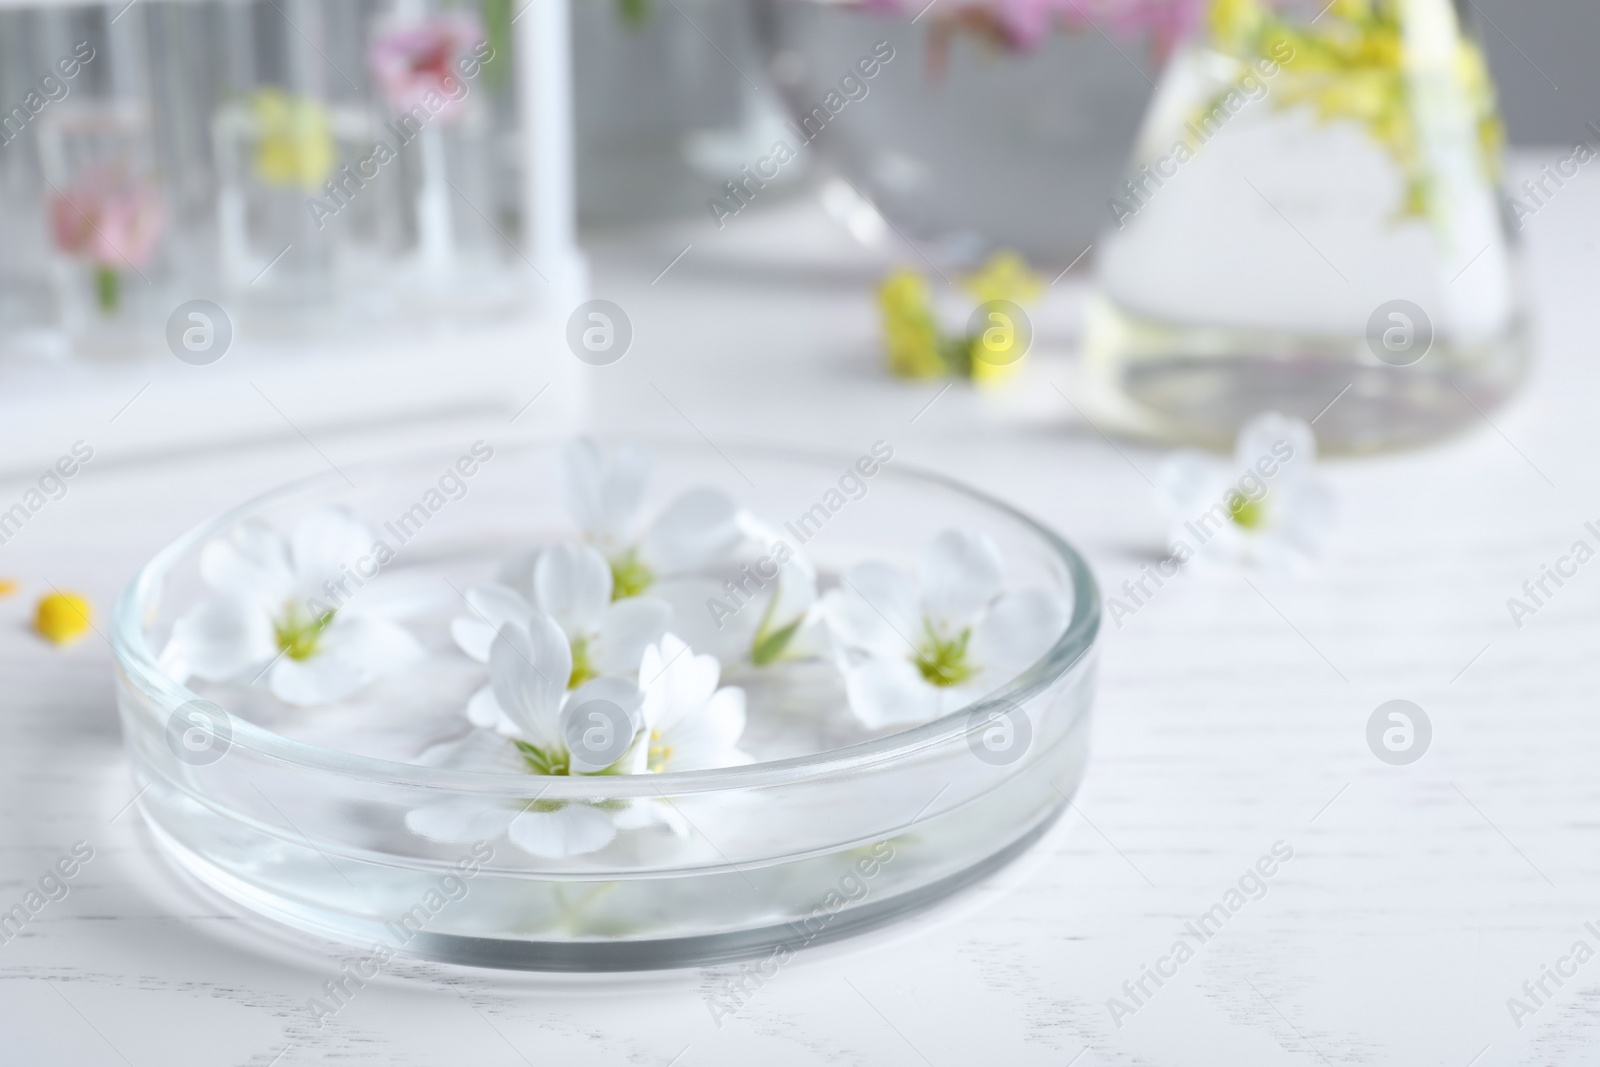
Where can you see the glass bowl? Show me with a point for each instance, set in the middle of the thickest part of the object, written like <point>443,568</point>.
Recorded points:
<point>286,816</point>
<point>961,144</point>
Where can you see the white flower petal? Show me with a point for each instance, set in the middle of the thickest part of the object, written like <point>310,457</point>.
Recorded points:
<point>319,679</point>
<point>528,668</point>
<point>630,625</point>
<point>250,565</point>
<point>323,543</point>
<point>1019,629</point>
<point>696,613</point>
<point>1288,444</point>
<point>460,821</point>
<point>875,609</point>
<point>644,814</point>
<point>473,636</point>
<point>493,605</point>
<point>711,737</point>
<point>603,494</point>
<point>676,682</point>
<point>698,528</point>
<point>396,596</point>
<point>1188,483</point>
<point>595,738</point>
<point>961,574</point>
<point>376,646</point>
<point>1304,514</point>
<point>516,572</point>
<point>572,584</point>
<point>484,711</point>
<point>573,830</point>
<point>889,692</point>
<point>218,640</point>
<point>797,591</point>
<point>476,750</point>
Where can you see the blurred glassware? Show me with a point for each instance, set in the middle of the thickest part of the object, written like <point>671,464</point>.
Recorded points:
<point>105,209</point>
<point>1312,224</point>
<point>997,124</point>
<point>100,188</point>
<point>361,161</point>
<point>664,114</point>
<point>321,166</point>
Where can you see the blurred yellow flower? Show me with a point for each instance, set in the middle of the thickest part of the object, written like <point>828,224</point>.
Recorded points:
<point>294,143</point>
<point>1351,65</point>
<point>62,617</point>
<point>910,335</point>
<point>918,348</point>
<point>987,374</point>
<point>8,586</point>
<point>1005,277</point>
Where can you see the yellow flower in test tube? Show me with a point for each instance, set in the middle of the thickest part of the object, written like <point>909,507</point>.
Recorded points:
<point>294,144</point>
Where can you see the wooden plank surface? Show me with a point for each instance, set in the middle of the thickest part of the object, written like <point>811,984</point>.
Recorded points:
<point>1230,716</point>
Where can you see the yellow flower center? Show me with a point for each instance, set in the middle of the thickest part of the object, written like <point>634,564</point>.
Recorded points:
<point>629,576</point>
<point>297,633</point>
<point>582,669</point>
<point>541,762</point>
<point>944,662</point>
<point>657,755</point>
<point>1246,512</point>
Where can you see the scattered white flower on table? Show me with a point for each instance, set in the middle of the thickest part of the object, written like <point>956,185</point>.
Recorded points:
<point>274,612</point>
<point>1267,505</point>
<point>915,650</point>
<point>604,494</point>
<point>689,723</point>
<point>528,668</point>
<point>570,584</point>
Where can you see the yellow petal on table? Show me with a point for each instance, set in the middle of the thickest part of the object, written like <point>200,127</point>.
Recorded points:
<point>62,617</point>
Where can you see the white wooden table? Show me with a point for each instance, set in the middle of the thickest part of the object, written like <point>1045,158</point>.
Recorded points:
<point>1229,718</point>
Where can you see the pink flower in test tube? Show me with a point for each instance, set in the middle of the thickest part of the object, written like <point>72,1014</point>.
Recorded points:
<point>110,220</point>
<point>419,58</point>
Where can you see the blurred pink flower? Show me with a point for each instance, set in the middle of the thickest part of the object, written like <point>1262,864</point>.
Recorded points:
<point>420,57</point>
<point>1165,21</point>
<point>110,220</point>
<point>1022,25</point>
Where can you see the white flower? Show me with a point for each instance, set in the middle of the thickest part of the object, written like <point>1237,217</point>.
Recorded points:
<point>1265,506</point>
<point>913,651</point>
<point>604,495</point>
<point>528,668</point>
<point>689,723</point>
<point>762,613</point>
<point>295,609</point>
<point>570,584</point>
<point>788,626</point>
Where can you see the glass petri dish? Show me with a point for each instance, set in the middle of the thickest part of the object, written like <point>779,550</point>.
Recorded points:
<point>300,817</point>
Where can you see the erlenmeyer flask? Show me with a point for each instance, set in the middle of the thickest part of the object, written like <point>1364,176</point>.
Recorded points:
<point>1312,224</point>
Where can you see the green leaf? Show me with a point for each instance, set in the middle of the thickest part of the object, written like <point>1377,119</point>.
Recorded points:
<point>769,646</point>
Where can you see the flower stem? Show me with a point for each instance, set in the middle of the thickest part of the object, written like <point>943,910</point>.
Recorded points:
<point>107,288</point>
